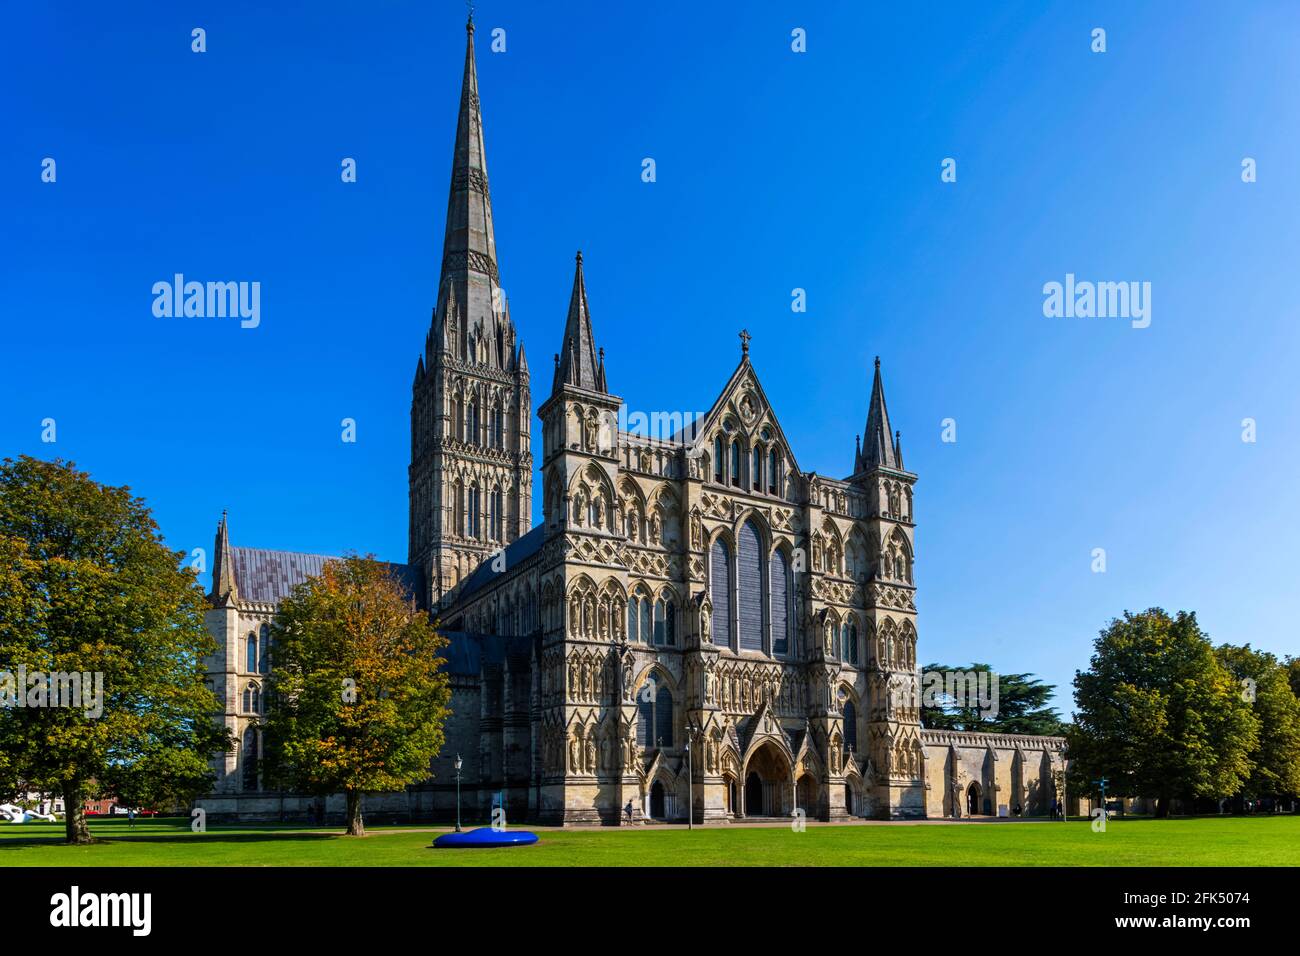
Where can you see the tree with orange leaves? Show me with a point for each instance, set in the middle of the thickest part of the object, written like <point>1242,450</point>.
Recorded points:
<point>357,696</point>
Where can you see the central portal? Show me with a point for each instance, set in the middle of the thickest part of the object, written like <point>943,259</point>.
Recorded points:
<point>767,783</point>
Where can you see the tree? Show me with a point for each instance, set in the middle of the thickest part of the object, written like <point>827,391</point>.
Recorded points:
<point>1293,674</point>
<point>356,695</point>
<point>1022,706</point>
<point>87,588</point>
<point>1158,714</point>
<point>1263,683</point>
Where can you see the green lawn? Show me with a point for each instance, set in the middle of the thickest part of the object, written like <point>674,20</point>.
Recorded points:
<point>1262,841</point>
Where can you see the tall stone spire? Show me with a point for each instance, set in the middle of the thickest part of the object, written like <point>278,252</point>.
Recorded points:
<point>471,475</point>
<point>469,297</point>
<point>579,364</point>
<point>878,448</point>
<point>224,589</point>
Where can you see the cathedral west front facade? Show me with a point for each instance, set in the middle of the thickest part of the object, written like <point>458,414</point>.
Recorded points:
<point>697,625</point>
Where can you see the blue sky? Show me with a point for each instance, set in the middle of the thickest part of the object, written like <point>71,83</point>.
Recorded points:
<point>776,170</point>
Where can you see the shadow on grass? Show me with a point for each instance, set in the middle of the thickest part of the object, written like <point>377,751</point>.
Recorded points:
<point>269,836</point>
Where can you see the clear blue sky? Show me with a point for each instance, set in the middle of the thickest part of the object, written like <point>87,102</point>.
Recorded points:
<point>775,170</point>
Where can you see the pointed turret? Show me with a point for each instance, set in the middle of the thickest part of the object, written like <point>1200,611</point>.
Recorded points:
<point>579,363</point>
<point>470,285</point>
<point>224,590</point>
<point>878,449</point>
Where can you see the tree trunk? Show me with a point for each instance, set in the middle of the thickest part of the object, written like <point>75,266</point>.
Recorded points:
<point>74,813</point>
<point>356,825</point>
<point>1162,807</point>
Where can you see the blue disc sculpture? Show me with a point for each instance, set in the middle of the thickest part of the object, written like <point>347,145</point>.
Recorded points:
<point>484,837</point>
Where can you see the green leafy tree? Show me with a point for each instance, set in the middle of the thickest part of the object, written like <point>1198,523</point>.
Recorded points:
<point>1158,714</point>
<point>1293,674</point>
<point>1022,706</point>
<point>356,694</point>
<point>88,587</point>
<point>1263,683</point>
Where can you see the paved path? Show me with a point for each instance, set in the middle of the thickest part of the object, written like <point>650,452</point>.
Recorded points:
<point>766,822</point>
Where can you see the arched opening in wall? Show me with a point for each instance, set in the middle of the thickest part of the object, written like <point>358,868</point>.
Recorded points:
<point>849,804</point>
<point>767,783</point>
<point>974,806</point>
<point>657,801</point>
<point>805,791</point>
<point>729,794</point>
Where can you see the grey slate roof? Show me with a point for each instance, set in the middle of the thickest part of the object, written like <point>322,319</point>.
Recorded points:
<point>268,577</point>
<point>466,653</point>
<point>517,552</point>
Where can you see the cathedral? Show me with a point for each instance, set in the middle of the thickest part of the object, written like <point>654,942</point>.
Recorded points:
<point>697,627</point>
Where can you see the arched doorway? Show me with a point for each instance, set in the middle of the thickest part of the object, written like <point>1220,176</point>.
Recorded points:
<point>657,801</point>
<point>805,792</point>
<point>973,808</point>
<point>767,782</point>
<point>848,800</point>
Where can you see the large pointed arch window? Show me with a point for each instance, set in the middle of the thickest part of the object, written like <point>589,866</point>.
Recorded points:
<point>735,463</point>
<point>471,423</point>
<point>720,591</point>
<point>654,716</point>
<point>264,655</point>
<point>647,620</point>
<point>850,727</point>
<point>664,623</point>
<point>634,619</point>
<point>719,460</point>
<point>251,654</point>
<point>780,603</point>
<point>749,586</point>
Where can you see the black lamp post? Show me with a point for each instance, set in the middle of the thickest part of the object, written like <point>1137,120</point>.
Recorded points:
<point>691,732</point>
<point>458,765</point>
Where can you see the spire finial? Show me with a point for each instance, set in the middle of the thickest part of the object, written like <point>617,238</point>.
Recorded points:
<point>744,341</point>
<point>578,257</point>
<point>469,24</point>
<point>877,363</point>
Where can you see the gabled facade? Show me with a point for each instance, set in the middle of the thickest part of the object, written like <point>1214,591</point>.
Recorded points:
<point>705,589</point>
